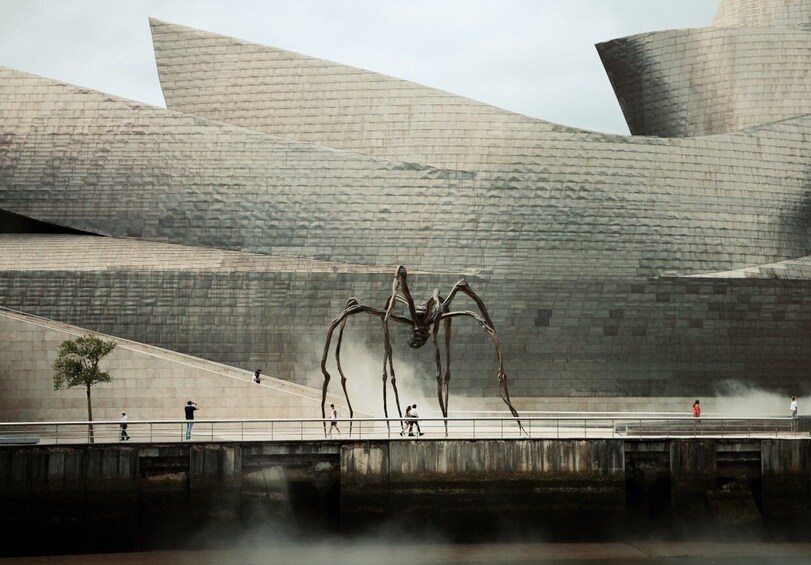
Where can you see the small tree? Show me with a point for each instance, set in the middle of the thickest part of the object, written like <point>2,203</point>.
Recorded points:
<point>78,365</point>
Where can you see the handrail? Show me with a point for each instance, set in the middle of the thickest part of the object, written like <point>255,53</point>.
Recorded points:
<point>618,419</point>
<point>584,426</point>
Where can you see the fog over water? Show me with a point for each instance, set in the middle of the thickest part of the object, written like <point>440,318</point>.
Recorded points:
<point>368,553</point>
<point>363,368</point>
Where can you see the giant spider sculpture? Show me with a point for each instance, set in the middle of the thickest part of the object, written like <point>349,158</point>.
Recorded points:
<point>424,321</point>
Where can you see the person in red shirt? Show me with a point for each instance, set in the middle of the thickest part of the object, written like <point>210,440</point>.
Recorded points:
<point>696,409</point>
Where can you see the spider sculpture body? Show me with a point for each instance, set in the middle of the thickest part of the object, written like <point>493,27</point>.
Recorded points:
<point>425,321</point>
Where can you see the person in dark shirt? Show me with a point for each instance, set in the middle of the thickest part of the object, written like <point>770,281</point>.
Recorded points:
<point>256,377</point>
<point>190,409</point>
<point>407,422</point>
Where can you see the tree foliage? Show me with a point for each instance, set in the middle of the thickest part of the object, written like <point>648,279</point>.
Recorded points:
<point>78,362</point>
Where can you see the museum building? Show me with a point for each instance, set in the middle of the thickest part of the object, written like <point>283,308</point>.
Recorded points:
<point>232,226</point>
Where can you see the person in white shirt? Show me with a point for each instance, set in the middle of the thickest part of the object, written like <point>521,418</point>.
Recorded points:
<point>123,425</point>
<point>414,422</point>
<point>793,407</point>
<point>333,419</point>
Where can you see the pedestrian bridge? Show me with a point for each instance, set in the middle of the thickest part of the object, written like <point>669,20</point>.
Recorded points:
<point>561,475</point>
<point>568,426</point>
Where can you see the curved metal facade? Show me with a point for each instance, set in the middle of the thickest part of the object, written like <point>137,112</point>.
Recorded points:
<point>752,67</point>
<point>613,266</point>
<point>763,13</point>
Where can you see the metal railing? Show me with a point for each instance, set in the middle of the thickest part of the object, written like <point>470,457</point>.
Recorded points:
<point>540,427</point>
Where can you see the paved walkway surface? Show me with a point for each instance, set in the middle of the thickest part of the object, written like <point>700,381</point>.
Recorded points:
<point>362,553</point>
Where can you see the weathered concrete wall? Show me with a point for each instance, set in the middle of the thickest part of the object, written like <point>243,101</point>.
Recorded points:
<point>693,472</point>
<point>459,477</point>
<point>787,480</point>
<point>118,497</point>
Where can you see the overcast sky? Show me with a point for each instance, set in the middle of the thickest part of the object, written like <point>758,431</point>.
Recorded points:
<point>536,57</point>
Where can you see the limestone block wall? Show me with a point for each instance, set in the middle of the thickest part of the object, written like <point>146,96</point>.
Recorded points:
<point>582,337</point>
<point>148,383</point>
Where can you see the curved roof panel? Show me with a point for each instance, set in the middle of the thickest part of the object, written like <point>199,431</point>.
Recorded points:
<point>561,206</point>
<point>764,13</point>
<point>707,81</point>
<point>316,101</point>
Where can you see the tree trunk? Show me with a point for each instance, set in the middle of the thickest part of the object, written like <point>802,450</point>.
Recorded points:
<point>89,417</point>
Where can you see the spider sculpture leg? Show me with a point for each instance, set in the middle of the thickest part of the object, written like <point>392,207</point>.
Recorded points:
<point>352,309</point>
<point>447,378</point>
<point>442,387</point>
<point>391,370</point>
<point>502,376</point>
<point>487,323</point>
<point>349,303</point>
<point>400,280</point>
<point>387,359</point>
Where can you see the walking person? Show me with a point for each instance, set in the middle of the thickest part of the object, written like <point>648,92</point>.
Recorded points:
<point>190,408</point>
<point>794,409</point>
<point>407,422</point>
<point>414,422</point>
<point>256,377</point>
<point>124,436</point>
<point>696,409</point>
<point>333,419</point>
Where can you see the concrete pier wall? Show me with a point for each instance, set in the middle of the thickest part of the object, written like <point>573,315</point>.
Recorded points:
<point>103,497</point>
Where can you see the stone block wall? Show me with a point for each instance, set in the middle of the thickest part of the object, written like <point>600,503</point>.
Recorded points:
<point>588,339</point>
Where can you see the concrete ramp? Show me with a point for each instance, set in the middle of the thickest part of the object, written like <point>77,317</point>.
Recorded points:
<point>148,382</point>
